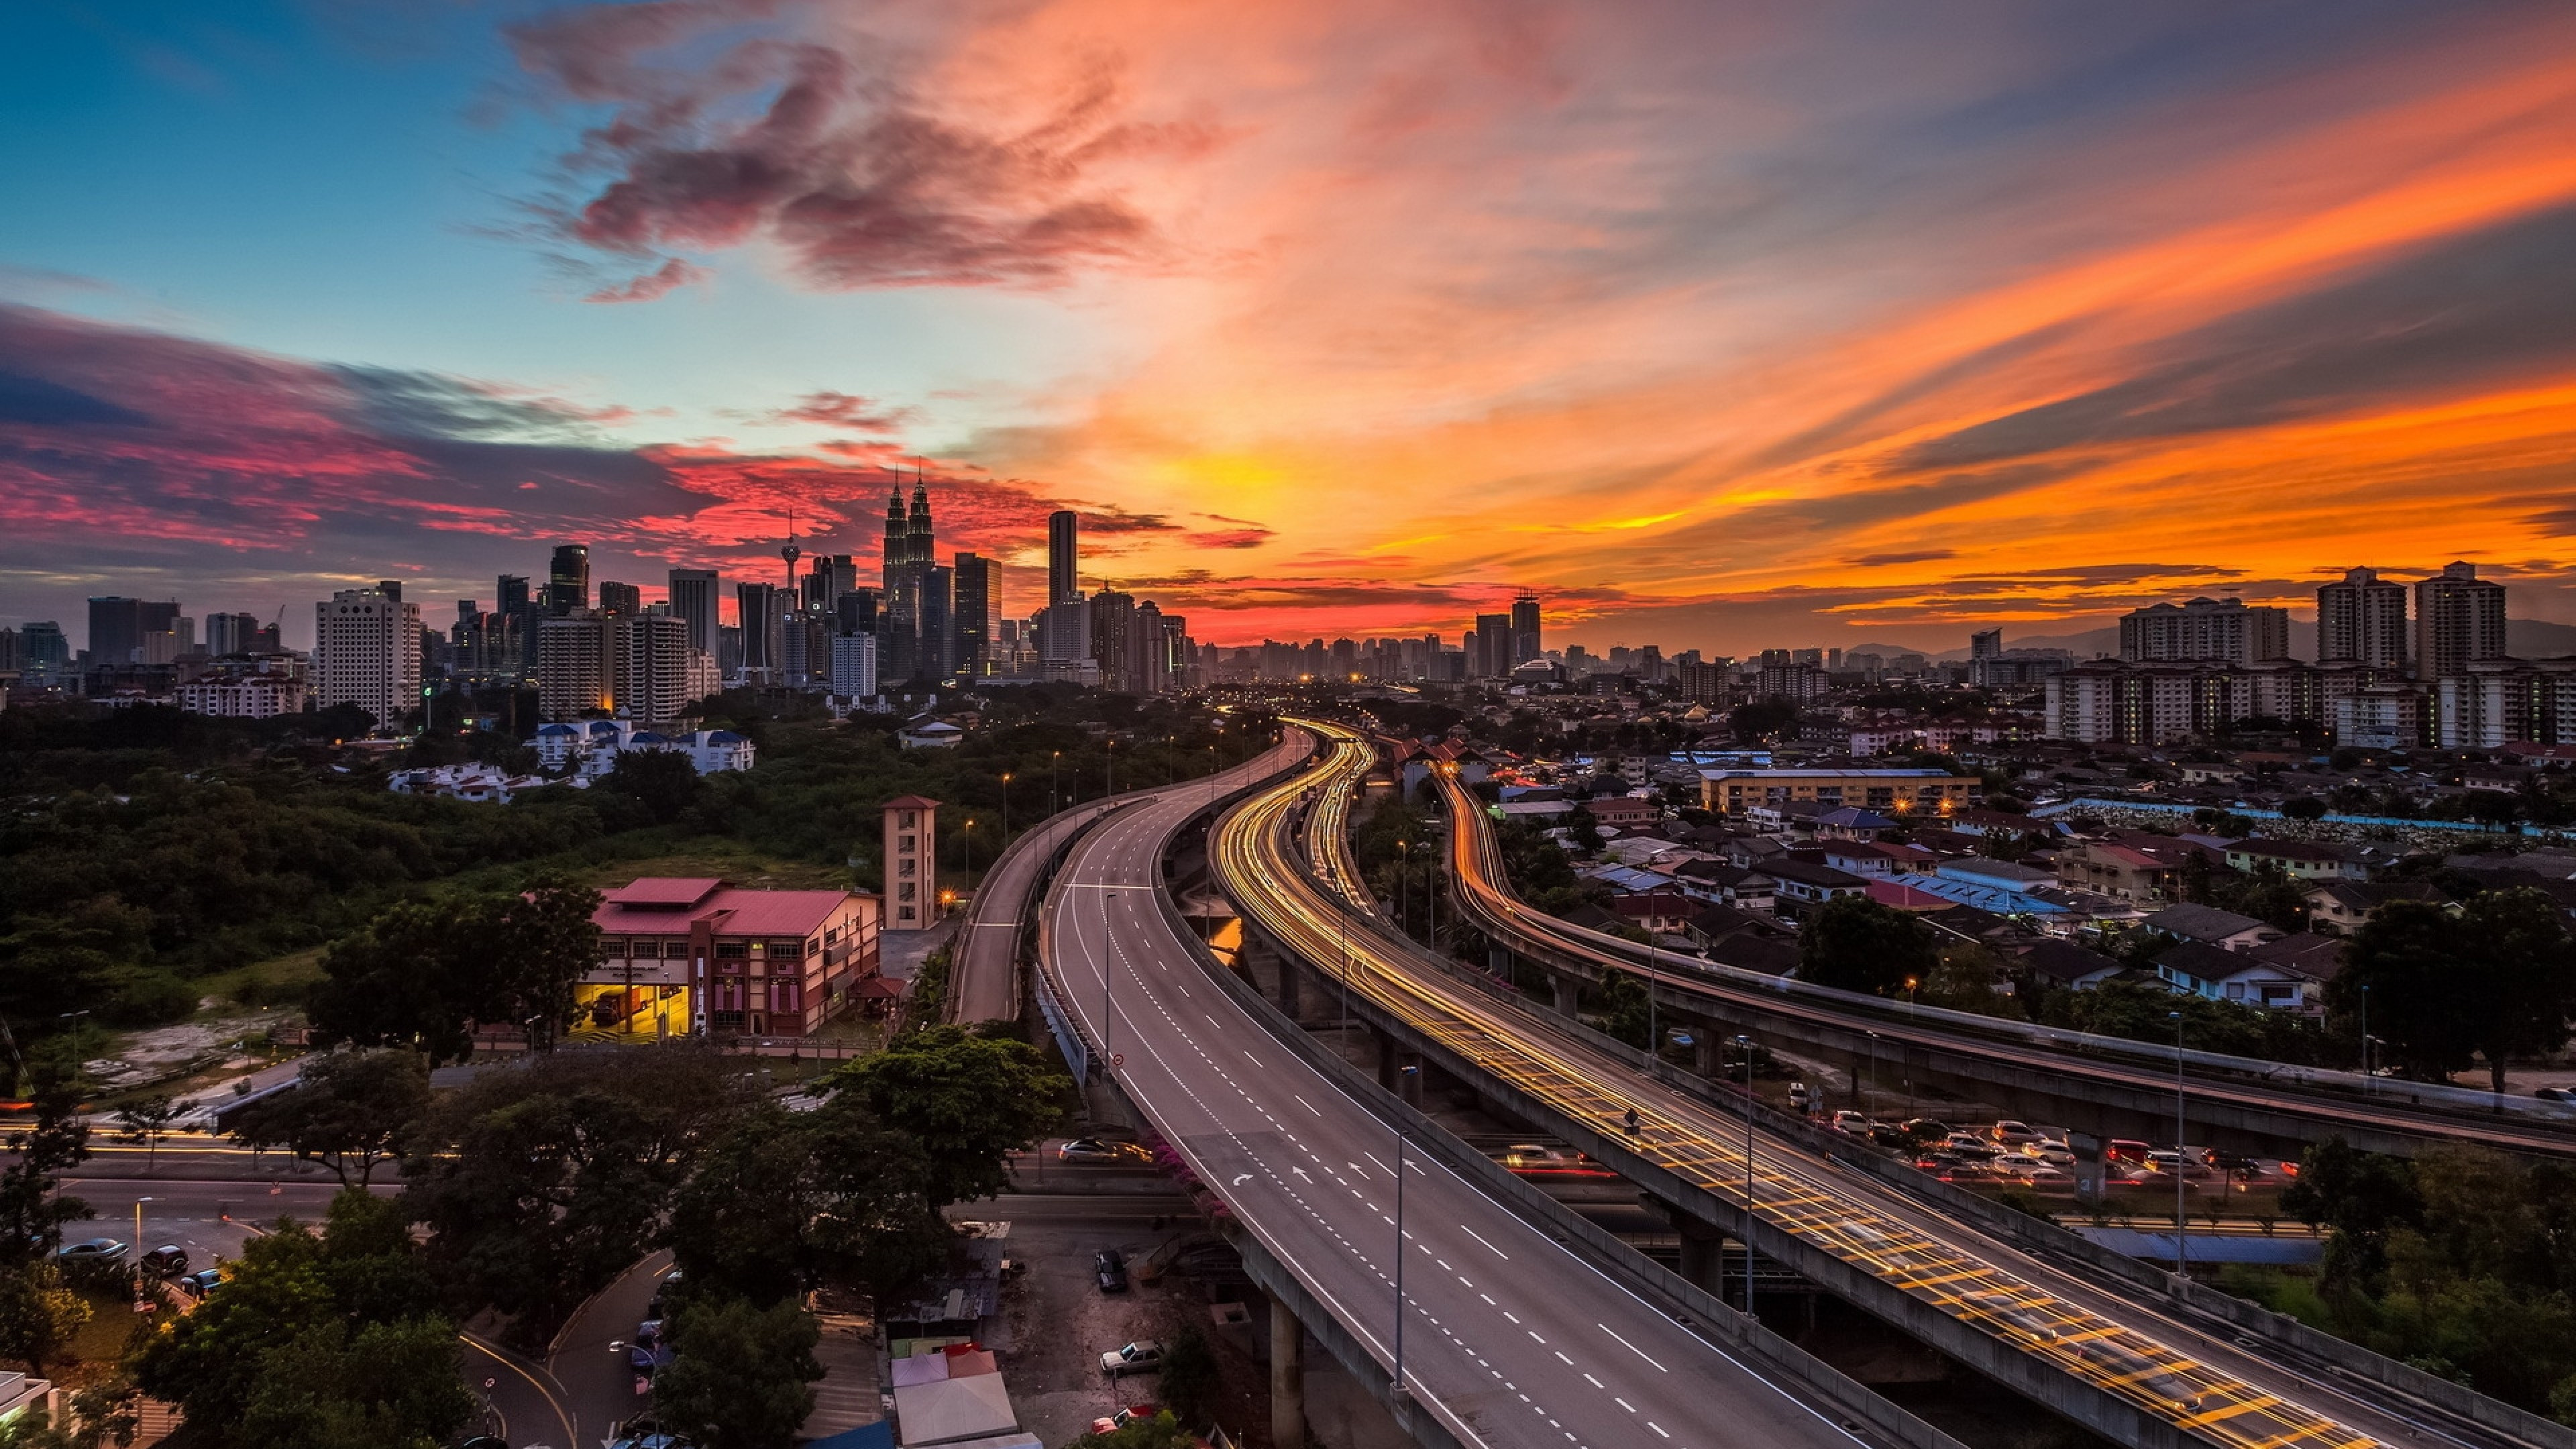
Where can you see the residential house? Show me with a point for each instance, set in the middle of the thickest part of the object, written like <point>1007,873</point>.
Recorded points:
<point>2064,964</point>
<point>1800,886</point>
<point>1876,858</point>
<point>2117,870</point>
<point>1717,882</point>
<point>1853,823</point>
<point>1624,812</point>
<point>2301,860</point>
<point>2342,907</point>
<point>2211,926</point>
<point>2200,969</point>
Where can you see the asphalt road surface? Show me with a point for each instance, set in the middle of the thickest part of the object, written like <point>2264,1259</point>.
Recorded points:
<point>1507,1337</point>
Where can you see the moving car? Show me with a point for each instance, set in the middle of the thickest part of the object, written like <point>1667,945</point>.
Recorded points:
<point>2013,1134</point>
<point>2125,1149</point>
<point>1851,1123</point>
<point>92,1250</point>
<point>1532,1159</point>
<point>1143,1356</point>
<point>1092,1149</point>
<point>1109,1270</point>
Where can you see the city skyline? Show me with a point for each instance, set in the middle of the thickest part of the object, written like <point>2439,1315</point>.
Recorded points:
<point>1849,330</point>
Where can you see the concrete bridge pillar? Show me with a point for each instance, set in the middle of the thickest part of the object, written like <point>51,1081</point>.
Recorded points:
<point>1386,1057</point>
<point>1498,959</point>
<point>1703,1254</point>
<point>1287,1378</point>
<point>1288,969</point>
<point>1704,1058</point>
<point>1567,993</point>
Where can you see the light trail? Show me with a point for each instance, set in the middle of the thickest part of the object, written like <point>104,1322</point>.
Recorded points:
<point>1794,1193</point>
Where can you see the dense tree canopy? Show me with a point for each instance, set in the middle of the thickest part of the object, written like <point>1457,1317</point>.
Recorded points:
<point>2493,978</point>
<point>1856,944</point>
<point>967,1099</point>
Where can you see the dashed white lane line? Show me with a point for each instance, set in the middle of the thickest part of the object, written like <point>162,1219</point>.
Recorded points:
<point>1462,1227</point>
<point>1302,1102</point>
<point>1632,1348</point>
<point>1256,1062</point>
<point>1658,1428</point>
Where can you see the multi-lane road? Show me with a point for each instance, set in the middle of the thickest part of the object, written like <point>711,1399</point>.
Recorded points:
<point>2213,1390</point>
<point>1509,1339</point>
<point>2015,1050</point>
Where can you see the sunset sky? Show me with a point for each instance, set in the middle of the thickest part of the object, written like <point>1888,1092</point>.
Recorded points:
<point>1722,325</point>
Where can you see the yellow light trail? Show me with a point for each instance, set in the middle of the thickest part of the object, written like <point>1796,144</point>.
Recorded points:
<point>1254,849</point>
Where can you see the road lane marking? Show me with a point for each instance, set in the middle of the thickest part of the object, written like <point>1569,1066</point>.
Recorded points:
<point>1470,1232</point>
<point>1632,1348</point>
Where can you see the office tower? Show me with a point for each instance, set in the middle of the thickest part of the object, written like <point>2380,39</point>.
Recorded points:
<point>1526,643</point>
<point>568,580</point>
<point>515,625</point>
<point>654,678</point>
<point>938,622</point>
<point>854,664</point>
<point>617,598</point>
<point>827,578</point>
<point>2459,620</point>
<point>115,629</point>
<point>756,613</point>
<point>268,640</point>
<point>2205,629</point>
<point>907,649</point>
<point>2362,620</point>
<point>42,648</point>
<point>694,595</point>
<point>11,661</point>
<point>366,652</point>
<point>972,609</point>
<point>229,634</point>
<point>1986,644</point>
<point>1062,580</point>
<point>1493,646</point>
<point>856,613</point>
<point>573,666</point>
<point>729,650</point>
<point>1064,638</point>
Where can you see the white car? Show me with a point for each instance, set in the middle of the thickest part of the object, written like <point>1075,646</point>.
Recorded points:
<point>1142,1356</point>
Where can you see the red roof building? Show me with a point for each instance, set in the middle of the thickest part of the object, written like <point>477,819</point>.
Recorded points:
<point>697,956</point>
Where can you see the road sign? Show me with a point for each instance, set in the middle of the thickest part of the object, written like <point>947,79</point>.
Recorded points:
<point>1117,1059</point>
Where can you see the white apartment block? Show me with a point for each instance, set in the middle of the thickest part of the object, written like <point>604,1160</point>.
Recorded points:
<point>367,652</point>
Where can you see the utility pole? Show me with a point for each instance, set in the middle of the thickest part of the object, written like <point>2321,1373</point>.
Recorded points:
<point>1744,1044</point>
<point>2182,1223</point>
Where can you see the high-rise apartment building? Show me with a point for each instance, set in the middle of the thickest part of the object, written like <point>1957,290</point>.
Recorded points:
<point>366,652</point>
<point>1492,646</point>
<point>854,665</point>
<point>617,598</point>
<point>573,667</point>
<point>1113,619</point>
<point>694,599</point>
<point>656,673</point>
<point>2362,620</point>
<point>1063,582</point>
<point>43,650</point>
<point>2204,629</point>
<point>2459,621</point>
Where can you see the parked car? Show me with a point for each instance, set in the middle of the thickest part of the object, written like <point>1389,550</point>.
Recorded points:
<point>2013,1134</point>
<point>202,1282</point>
<point>92,1250</point>
<point>1143,1356</point>
<point>1801,1096</point>
<point>2554,1094</point>
<point>1124,1417</point>
<point>1856,1124</point>
<point>1969,1144</point>
<point>166,1262</point>
<point>1109,1271</point>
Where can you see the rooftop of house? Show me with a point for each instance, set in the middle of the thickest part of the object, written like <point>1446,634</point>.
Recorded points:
<point>667,905</point>
<point>2065,962</point>
<point>2306,954</point>
<point>2202,923</point>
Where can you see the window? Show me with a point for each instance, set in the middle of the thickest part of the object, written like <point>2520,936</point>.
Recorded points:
<point>612,945</point>
<point>787,996</point>
<point>786,950</point>
<point>906,844</point>
<point>904,914</point>
<point>907,866</point>
<point>905,892</point>
<point>908,819</point>
<point>675,950</point>
<point>731,950</point>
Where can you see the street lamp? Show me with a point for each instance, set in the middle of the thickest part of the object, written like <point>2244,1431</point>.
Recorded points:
<point>78,1019</point>
<point>1403,872</point>
<point>1055,782</point>
<point>1399,1233</point>
<point>966,850</point>
<point>1110,767</point>
<point>1106,1008</point>
<point>2365,1039</point>
<point>1006,806</point>
<point>1744,1044</point>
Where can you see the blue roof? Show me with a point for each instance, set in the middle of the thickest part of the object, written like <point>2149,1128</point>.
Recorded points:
<point>723,737</point>
<point>648,737</point>
<point>603,726</point>
<point>559,729</point>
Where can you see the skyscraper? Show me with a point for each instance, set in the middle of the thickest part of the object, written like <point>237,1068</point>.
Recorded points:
<point>617,598</point>
<point>694,596</point>
<point>1113,617</point>
<point>909,647</point>
<point>115,629</point>
<point>1493,646</point>
<point>972,610</point>
<point>1062,581</point>
<point>2459,619</point>
<point>42,649</point>
<point>2362,619</point>
<point>518,613</point>
<point>568,580</point>
<point>573,666</point>
<point>228,634</point>
<point>1526,643</point>
<point>366,652</point>
<point>756,611</point>
<point>938,622</point>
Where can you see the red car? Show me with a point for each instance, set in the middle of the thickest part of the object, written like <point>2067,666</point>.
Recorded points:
<point>1123,1418</point>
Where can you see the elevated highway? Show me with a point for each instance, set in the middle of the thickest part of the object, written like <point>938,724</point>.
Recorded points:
<point>2133,1370</point>
<point>1505,1336</point>
<point>2102,1086</point>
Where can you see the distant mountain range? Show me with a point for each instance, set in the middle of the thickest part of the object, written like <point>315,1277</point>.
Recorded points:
<point>2527,638</point>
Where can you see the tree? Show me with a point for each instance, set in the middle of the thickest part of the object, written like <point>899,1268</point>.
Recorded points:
<point>541,1184</point>
<point>2303,807</point>
<point>39,1316</point>
<point>1856,944</point>
<point>1762,719</point>
<point>1189,1384</point>
<point>208,1360</point>
<point>544,939</point>
<point>968,1100</point>
<point>789,1200</point>
<point>657,786</point>
<point>741,1375</point>
<point>32,1207</point>
<point>389,1384</point>
<point>411,979</point>
<point>147,1120</point>
<point>1163,1431</point>
<point>350,1111</point>
<point>2497,980</point>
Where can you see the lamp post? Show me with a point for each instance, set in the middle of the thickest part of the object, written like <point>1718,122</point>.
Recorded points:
<point>2366,1082</point>
<point>1403,869</point>
<point>79,1020</point>
<point>138,1227</point>
<point>1055,782</point>
<point>1744,1044</point>
<point>1106,1008</point>
<point>1109,767</point>
<point>1006,807</point>
<point>966,850</point>
<point>2182,1224</point>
